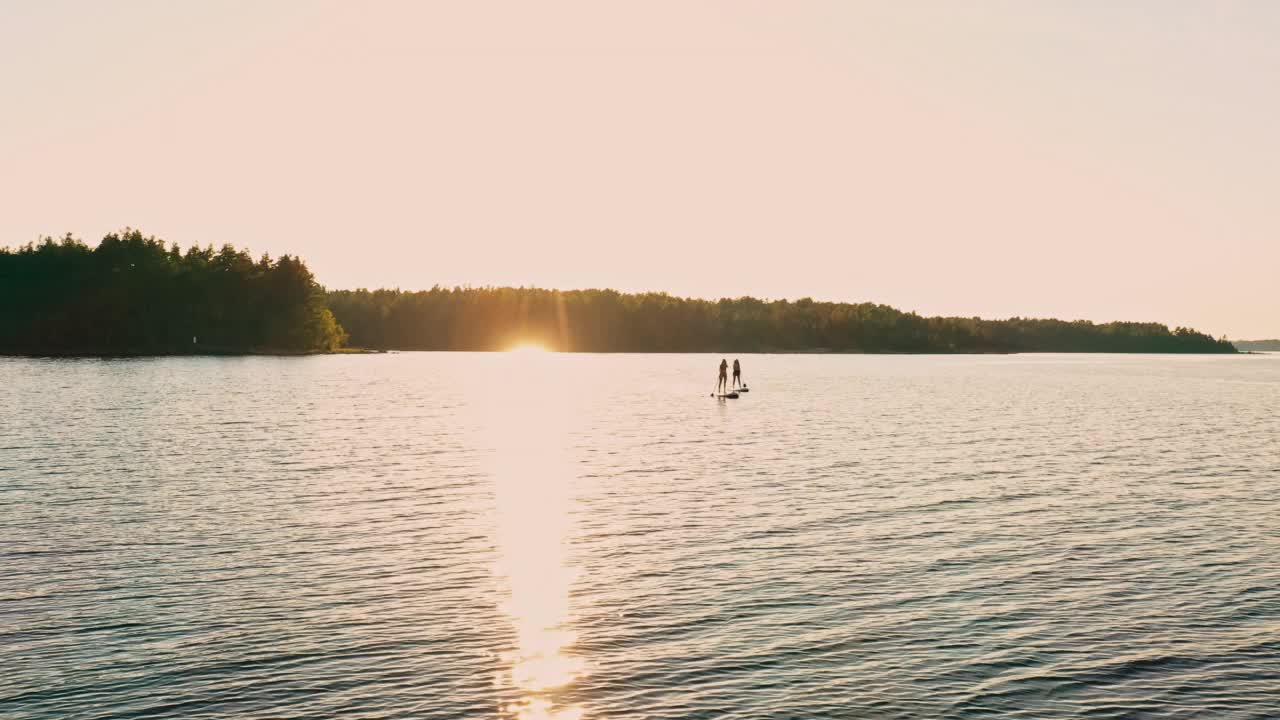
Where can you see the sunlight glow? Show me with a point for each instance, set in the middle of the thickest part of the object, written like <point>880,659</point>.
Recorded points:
<point>527,348</point>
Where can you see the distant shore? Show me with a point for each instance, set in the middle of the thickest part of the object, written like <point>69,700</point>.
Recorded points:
<point>1258,345</point>
<point>206,352</point>
<point>374,351</point>
<point>136,296</point>
<point>368,351</point>
<point>495,318</point>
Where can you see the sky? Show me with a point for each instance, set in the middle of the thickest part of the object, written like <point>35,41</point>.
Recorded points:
<point>1091,159</point>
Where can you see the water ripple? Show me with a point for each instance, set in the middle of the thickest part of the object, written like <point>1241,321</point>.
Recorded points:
<point>415,536</point>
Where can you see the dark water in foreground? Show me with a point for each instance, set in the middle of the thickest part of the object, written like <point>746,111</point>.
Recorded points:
<point>548,536</point>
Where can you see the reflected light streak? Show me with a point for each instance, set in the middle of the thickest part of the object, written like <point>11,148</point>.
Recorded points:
<point>533,520</point>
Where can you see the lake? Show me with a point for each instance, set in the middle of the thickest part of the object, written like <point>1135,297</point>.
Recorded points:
<point>534,535</point>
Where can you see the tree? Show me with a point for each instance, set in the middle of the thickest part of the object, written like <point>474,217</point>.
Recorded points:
<point>132,295</point>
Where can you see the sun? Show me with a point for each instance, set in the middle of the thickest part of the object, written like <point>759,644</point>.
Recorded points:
<point>527,347</point>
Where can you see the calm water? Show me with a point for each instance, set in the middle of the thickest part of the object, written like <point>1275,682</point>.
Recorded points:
<point>585,536</point>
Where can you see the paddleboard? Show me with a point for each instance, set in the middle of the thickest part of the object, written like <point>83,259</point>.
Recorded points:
<point>731,396</point>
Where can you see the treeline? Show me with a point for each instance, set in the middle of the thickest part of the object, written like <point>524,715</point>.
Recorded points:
<point>609,321</point>
<point>133,295</point>
<point>1258,345</point>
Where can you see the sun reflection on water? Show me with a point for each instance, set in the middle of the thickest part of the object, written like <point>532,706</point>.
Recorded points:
<point>532,475</point>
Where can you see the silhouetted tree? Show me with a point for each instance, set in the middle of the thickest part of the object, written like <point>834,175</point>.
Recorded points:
<point>132,295</point>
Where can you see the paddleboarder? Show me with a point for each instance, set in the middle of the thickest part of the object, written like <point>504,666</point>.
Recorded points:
<point>737,374</point>
<point>722,386</point>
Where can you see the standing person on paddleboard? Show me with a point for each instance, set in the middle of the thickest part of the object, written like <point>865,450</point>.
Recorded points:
<point>737,374</point>
<point>722,386</point>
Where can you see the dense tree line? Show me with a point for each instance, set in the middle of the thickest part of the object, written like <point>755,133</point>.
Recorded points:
<point>133,295</point>
<point>609,321</point>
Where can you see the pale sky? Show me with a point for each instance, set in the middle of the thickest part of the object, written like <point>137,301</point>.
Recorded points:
<point>1099,160</point>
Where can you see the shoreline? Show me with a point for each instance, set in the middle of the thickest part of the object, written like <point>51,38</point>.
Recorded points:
<point>370,351</point>
<point>205,353</point>
<point>824,351</point>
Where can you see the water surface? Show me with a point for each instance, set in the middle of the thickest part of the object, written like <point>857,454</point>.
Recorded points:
<point>591,536</point>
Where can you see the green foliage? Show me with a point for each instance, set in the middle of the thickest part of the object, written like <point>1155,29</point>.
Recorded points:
<point>132,295</point>
<point>608,321</point>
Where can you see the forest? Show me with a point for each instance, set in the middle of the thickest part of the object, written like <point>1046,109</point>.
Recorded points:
<point>609,321</point>
<point>132,295</point>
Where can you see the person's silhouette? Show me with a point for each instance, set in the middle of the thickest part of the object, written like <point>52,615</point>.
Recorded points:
<point>722,385</point>
<point>737,374</point>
